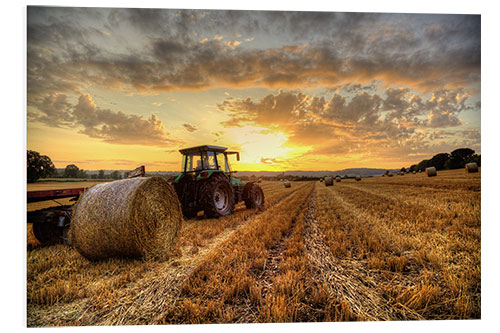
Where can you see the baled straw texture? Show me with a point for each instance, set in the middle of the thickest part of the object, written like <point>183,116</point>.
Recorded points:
<point>337,179</point>
<point>287,183</point>
<point>328,181</point>
<point>471,167</point>
<point>431,172</point>
<point>136,218</point>
<point>358,178</point>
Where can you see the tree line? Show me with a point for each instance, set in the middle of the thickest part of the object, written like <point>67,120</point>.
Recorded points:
<point>41,166</point>
<point>457,159</point>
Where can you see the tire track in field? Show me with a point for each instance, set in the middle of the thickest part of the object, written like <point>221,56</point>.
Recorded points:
<point>345,280</point>
<point>161,288</point>
<point>265,281</point>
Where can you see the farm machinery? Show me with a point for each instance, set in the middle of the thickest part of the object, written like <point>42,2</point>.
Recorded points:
<point>205,183</point>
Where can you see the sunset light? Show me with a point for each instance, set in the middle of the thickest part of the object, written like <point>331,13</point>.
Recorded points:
<point>114,88</point>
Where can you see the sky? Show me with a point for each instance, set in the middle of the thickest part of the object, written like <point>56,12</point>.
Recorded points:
<point>111,88</point>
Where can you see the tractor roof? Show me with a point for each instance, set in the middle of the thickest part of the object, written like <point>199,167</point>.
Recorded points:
<point>203,148</point>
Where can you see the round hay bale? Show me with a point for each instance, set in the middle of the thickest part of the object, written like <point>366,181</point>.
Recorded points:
<point>337,179</point>
<point>328,181</point>
<point>287,183</point>
<point>471,167</point>
<point>134,218</point>
<point>431,172</point>
<point>389,175</point>
<point>358,178</point>
<point>413,172</point>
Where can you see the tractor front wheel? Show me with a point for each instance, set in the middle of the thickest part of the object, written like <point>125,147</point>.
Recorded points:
<point>217,196</point>
<point>254,196</point>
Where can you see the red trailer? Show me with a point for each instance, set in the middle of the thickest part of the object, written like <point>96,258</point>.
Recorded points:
<point>51,225</point>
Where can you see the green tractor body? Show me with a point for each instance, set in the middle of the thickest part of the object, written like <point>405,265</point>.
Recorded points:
<point>206,183</point>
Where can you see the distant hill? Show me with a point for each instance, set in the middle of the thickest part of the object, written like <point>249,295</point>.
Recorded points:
<point>364,172</point>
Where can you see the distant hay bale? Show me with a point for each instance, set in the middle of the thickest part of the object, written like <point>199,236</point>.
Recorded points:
<point>135,218</point>
<point>358,178</point>
<point>389,175</point>
<point>287,183</point>
<point>337,179</point>
<point>329,181</point>
<point>413,172</point>
<point>431,172</point>
<point>471,167</point>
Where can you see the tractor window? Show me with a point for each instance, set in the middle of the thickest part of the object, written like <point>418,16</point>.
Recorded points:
<point>222,162</point>
<point>197,163</point>
<point>209,160</point>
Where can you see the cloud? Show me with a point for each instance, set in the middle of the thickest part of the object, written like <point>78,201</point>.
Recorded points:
<point>109,126</point>
<point>118,127</point>
<point>397,121</point>
<point>161,50</point>
<point>55,111</point>
<point>270,161</point>
<point>190,128</point>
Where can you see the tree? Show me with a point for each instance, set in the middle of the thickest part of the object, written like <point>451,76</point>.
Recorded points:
<point>422,165</point>
<point>38,166</point>
<point>82,174</point>
<point>438,161</point>
<point>403,169</point>
<point>459,157</point>
<point>71,171</point>
<point>474,158</point>
<point>101,174</point>
<point>115,175</point>
<point>413,168</point>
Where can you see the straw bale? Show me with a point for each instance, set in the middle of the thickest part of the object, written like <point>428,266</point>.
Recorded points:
<point>287,183</point>
<point>358,178</point>
<point>431,172</point>
<point>328,181</point>
<point>136,218</point>
<point>471,167</point>
<point>337,179</point>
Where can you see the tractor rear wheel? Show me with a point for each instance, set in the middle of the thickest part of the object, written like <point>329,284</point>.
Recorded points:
<point>254,198</point>
<point>217,196</point>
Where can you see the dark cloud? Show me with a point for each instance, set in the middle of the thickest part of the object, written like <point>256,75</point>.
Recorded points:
<point>66,53</point>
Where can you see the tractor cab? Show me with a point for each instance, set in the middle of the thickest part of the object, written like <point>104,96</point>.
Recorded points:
<point>206,182</point>
<point>206,159</point>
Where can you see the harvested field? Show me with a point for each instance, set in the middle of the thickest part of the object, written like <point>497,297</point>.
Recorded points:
<point>400,248</point>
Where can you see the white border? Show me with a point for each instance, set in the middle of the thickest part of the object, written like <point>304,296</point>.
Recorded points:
<point>13,20</point>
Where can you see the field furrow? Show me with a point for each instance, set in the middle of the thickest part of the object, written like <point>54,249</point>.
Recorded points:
<point>345,280</point>
<point>411,243</point>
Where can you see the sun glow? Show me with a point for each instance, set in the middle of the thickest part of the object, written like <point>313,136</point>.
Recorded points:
<point>263,149</point>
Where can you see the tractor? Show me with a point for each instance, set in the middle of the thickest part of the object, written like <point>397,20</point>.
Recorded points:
<point>206,183</point>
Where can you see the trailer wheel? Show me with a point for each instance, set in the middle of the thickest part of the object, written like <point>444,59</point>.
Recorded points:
<point>47,233</point>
